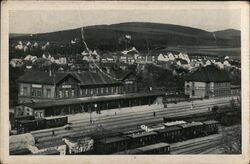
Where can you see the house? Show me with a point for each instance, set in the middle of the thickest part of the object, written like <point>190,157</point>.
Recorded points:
<point>146,59</point>
<point>163,58</point>
<point>207,82</point>
<point>16,62</point>
<point>107,58</point>
<point>171,56</point>
<point>181,62</point>
<point>128,58</point>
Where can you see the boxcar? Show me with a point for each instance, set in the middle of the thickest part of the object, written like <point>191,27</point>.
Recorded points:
<point>56,121</point>
<point>170,134</point>
<point>210,127</point>
<point>159,148</point>
<point>143,139</point>
<point>192,130</point>
<point>111,145</point>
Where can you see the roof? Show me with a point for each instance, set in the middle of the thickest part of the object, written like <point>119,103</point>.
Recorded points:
<point>210,122</point>
<point>154,146</point>
<point>191,124</point>
<point>61,102</point>
<point>168,129</point>
<point>84,78</point>
<point>39,77</point>
<point>133,131</point>
<point>44,145</point>
<point>121,74</point>
<point>142,134</point>
<point>94,78</point>
<point>209,73</point>
<point>174,123</point>
<point>112,139</point>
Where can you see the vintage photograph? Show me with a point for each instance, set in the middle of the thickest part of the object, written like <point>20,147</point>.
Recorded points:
<point>125,82</point>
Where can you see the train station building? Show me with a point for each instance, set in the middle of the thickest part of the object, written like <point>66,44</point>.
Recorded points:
<point>44,94</point>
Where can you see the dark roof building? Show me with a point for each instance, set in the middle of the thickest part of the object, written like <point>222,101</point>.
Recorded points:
<point>209,74</point>
<point>207,81</point>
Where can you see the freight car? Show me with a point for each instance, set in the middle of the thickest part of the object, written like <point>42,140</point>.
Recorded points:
<point>116,142</point>
<point>111,145</point>
<point>170,134</point>
<point>143,139</point>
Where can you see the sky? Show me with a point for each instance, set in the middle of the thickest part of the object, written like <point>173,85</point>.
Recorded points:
<point>32,21</point>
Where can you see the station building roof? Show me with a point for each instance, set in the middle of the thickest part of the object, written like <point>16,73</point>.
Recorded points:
<point>63,102</point>
<point>83,78</point>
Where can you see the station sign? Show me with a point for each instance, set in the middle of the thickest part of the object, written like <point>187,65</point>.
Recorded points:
<point>36,86</point>
<point>66,86</point>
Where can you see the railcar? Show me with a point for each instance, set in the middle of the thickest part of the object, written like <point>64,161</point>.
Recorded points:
<point>142,139</point>
<point>191,130</point>
<point>57,121</point>
<point>170,134</point>
<point>210,127</point>
<point>31,125</point>
<point>111,145</point>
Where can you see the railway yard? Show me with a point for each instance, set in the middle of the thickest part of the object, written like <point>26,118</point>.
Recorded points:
<point>125,121</point>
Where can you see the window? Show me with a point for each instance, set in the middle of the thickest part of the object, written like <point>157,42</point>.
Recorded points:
<point>91,91</point>
<point>66,93</point>
<point>101,90</point>
<point>37,92</point>
<point>25,91</point>
<point>60,94</point>
<point>21,90</point>
<point>48,92</point>
<point>72,92</point>
<point>81,91</point>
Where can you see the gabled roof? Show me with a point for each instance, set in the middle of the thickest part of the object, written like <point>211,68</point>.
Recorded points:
<point>39,77</point>
<point>94,78</point>
<point>84,78</point>
<point>121,74</point>
<point>209,74</point>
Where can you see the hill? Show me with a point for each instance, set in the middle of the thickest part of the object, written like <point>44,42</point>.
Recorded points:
<point>144,35</point>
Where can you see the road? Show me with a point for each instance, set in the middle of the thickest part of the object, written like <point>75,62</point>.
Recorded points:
<point>125,119</point>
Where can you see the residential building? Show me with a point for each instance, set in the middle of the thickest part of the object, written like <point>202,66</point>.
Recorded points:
<point>207,82</point>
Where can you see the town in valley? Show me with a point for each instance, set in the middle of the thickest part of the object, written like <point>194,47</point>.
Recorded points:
<point>125,89</point>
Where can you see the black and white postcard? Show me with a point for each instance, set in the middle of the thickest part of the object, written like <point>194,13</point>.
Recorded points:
<point>125,82</point>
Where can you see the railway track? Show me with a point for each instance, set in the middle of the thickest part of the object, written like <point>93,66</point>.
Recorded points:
<point>197,145</point>
<point>120,123</point>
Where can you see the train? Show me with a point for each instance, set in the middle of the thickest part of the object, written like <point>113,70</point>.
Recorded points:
<point>170,134</point>
<point>226,116</point>
<point>27,124</point>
